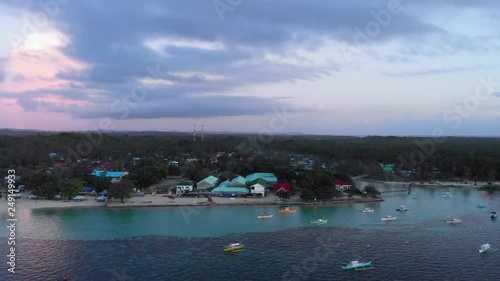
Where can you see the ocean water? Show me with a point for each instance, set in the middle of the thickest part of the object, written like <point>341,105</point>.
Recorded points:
<point>186,243</point>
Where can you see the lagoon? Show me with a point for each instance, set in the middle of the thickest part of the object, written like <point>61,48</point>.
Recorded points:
<point>185,243</point>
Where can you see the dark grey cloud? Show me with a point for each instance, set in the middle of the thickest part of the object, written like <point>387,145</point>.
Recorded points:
<point>109,36</point>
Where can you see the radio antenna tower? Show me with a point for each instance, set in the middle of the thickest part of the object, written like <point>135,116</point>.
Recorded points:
<point>202,134</point>
<point>194,132</point>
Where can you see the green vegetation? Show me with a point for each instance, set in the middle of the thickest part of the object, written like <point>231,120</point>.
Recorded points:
<point>121,190</point>
<point>46,162</point>
<point>71,187</point>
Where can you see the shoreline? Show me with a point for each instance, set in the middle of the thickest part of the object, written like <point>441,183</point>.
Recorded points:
<point>149,201</point>
<point>432,183</point>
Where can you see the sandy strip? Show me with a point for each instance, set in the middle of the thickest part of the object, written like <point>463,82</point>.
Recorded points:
<point>160,201</point>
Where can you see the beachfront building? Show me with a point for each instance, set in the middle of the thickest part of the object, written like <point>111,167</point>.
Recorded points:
<point>183,187</point>
<point>269,178</point>
<point>225,188</point>
<point>207,183</point>
<point>115,176</point>
<point>341,185</point>
<point>259,187</point>
<point>238,181</point>
<point>282,186</point>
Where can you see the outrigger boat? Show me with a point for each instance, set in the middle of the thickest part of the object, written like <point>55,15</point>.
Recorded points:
<point>265,216</point>
<point>388,218</point>
<point>493,215</point>
<point>319,221</point>
<point>235,247</point>
<point>368,210</point>
<point>454,221</point>
<point>402,209</point>
<point>287,209</point>
<point>356,265</point>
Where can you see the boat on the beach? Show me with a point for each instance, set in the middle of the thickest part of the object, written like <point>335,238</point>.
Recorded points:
<point>454,221</point>
<point>319,221</point>
<point>287,209</point>
<point>368,210</point>
<point>486,248</point>
<point>265,216</point>
<point>388,218</point>
<point>493,215</point>
<point>234,247</point>
<point>402,209</point>
<point>356,265</point>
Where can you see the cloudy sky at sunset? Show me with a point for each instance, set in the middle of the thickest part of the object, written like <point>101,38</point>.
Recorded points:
<point>320,67</point>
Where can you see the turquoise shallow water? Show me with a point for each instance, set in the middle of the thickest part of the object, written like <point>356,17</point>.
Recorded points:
<point>186,243</point>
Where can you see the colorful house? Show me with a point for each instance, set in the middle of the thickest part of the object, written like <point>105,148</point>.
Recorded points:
<point>282,186</point>
<point>259,187</point>
<point>238,181</point>
<point>115,176</point>
<point>387,167</point>
<point>206,183</point>
<point>226,188</point>
<point>342,185</point>
<point>269,178</point>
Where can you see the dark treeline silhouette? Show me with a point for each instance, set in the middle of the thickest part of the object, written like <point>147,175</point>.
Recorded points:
<point>149,158</point>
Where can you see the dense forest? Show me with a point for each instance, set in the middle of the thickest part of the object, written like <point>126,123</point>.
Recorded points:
<point>70,157</point>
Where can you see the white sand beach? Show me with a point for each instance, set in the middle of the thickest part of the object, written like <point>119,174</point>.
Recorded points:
<point>158,200</point>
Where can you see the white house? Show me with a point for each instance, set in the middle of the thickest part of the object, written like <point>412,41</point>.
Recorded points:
<point>183,187</point>
<point>258,188</point>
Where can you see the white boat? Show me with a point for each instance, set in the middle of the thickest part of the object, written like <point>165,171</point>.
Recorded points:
<point>265,216</point>
<point>454,221</point>
<point>319,221</point>
<point>356,265</point>
<point>402,209</point>
<point>447,195</point>
<point>485,248</point>
<point>368,210</point>
<point>388,218</point>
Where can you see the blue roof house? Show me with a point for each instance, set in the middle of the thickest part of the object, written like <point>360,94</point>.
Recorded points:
<point>115,176</point>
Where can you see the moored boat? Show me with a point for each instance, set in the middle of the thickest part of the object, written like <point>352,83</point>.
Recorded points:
<point>234,247</point>
<point>287,209</point>
<point>356,265</point>
<point>388,218</point>
<point>265,216</point>
<point>454,221</point>
<point>319,221</point>
<point>493,215</point>
<point>368,210</point>
<point>481,206</point>
<point>485,248</point>
<point>402,209</point>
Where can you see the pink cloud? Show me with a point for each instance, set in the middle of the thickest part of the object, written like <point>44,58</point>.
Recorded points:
<point>37,62</point>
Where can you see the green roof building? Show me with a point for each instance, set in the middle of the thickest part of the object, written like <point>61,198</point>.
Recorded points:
<point>208,182</point>
<point>226,187</point>
<point>238,181</point>
<point>269,178</point>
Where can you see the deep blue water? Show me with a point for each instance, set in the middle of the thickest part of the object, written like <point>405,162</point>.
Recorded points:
<point>186,244</point>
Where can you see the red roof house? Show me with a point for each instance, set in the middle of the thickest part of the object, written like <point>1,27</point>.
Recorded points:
<point>341,185</point>
<point>281,186</point>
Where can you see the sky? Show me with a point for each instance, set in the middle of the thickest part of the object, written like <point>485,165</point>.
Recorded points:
<point>346,67</point>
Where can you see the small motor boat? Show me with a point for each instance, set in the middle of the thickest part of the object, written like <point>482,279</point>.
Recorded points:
<point>493,215</point>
